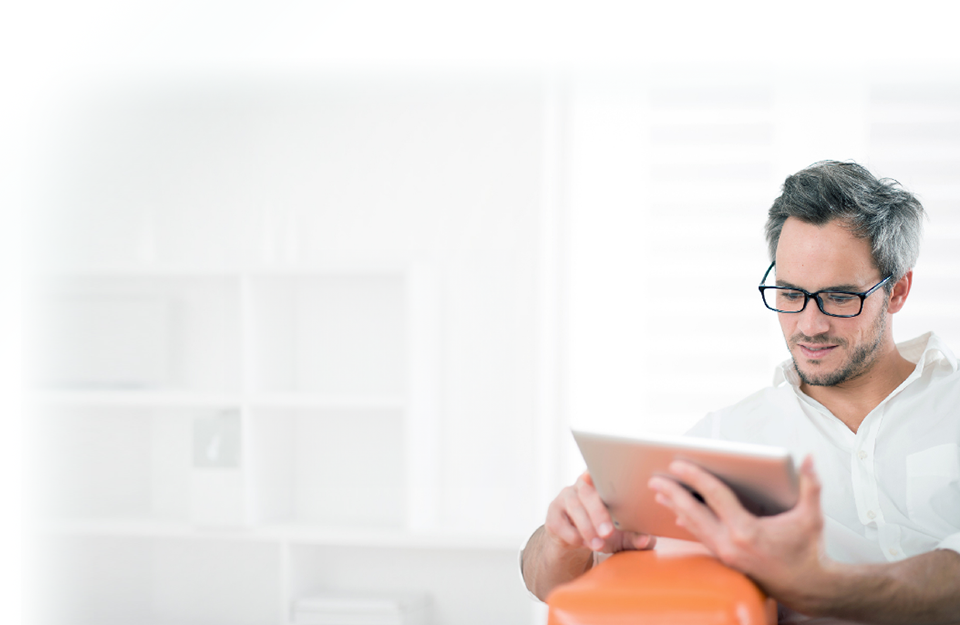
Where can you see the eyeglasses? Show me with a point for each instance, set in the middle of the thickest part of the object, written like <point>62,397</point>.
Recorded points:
<point>830,302</point>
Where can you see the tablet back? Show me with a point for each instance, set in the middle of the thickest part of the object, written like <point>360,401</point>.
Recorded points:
<point>763,477</point>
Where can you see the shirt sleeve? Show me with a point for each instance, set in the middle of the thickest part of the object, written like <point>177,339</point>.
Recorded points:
<point>707,427</point>
<point>523,582</point>
<point>951,542</point>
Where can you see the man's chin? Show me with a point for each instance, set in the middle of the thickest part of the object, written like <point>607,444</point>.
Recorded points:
<point>818,378</point>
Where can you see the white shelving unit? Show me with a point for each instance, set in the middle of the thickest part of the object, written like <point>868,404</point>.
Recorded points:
<point>308,438</point>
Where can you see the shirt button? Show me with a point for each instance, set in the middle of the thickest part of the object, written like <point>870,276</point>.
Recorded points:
<point>861,454</point>
<point>871,514</point>
<point>893,551</point>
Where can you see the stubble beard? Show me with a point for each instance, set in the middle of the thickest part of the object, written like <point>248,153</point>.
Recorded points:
<point>859,362</point>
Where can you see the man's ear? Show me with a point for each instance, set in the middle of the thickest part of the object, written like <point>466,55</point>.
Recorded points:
<point>901,289</point>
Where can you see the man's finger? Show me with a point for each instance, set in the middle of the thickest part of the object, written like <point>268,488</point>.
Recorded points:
<point>809,486</point>
<point>691,514</point>
<point>717,495</point>
<point>578,515</point>
<point>632,540</point>
<point>588,534</point>
<point>560,525</point>
<point>596,509</point>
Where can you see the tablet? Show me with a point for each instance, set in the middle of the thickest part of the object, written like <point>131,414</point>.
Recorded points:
<point>763,477</point>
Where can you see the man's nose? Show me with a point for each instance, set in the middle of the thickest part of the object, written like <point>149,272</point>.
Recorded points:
<point>812,320</point>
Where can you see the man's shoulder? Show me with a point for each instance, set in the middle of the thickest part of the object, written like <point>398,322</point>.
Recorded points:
<point>928,350</point>
<point>748,414</point>
<point>773,395</point>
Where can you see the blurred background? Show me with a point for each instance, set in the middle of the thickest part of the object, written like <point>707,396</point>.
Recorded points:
<point>310,295</point>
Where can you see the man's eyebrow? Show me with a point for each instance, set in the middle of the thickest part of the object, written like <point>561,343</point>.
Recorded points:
<point>849,288</point>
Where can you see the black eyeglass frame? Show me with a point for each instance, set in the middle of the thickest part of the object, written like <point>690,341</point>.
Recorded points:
<point>807,296</point>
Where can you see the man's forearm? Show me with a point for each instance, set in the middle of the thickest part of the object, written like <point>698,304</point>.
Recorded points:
<point>547,563</point>
<point>922,589</point>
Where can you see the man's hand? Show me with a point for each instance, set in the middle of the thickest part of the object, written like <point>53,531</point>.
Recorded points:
<point>577,525</point>
<point>783,553</point>
<point>578,518</point>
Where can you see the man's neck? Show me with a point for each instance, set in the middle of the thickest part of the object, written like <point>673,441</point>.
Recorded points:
<point>853,400</point>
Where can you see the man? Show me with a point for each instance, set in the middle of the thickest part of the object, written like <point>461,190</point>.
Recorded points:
<point>876,537</point>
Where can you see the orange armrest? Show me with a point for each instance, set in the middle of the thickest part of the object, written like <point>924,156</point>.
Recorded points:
<point>653,588</point>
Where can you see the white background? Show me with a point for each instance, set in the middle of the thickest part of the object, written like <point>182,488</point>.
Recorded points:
<point>817,60</point>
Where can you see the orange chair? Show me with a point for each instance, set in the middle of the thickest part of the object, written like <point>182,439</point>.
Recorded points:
<point>655,588</point>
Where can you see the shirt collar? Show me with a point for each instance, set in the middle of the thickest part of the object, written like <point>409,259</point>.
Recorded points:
<point>923,350</point>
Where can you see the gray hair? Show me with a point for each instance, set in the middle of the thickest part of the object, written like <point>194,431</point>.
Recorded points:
<point>878,210</point>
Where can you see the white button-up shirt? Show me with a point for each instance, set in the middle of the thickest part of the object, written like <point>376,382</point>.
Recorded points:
<point>892,489</point>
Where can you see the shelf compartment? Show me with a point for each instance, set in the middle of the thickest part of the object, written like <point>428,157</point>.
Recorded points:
<point>122,333</point>
<point>459,582</point>
<point>100,579</point>
<point>336,334</point>
<point>107,462</point>
<point>330,467</point>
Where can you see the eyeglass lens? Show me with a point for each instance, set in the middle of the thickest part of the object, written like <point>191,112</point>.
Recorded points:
<point>790,300</point>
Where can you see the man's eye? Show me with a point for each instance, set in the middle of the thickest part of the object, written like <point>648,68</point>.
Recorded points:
<point>791,296</point>
<point>840,299</point>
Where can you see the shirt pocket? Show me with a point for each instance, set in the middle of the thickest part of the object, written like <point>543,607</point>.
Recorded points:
<point>933,489</point>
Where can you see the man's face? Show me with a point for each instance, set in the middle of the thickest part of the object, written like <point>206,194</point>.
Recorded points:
<point>828,351</point>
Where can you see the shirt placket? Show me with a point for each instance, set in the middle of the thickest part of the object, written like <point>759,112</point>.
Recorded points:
<point>867,491</point>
